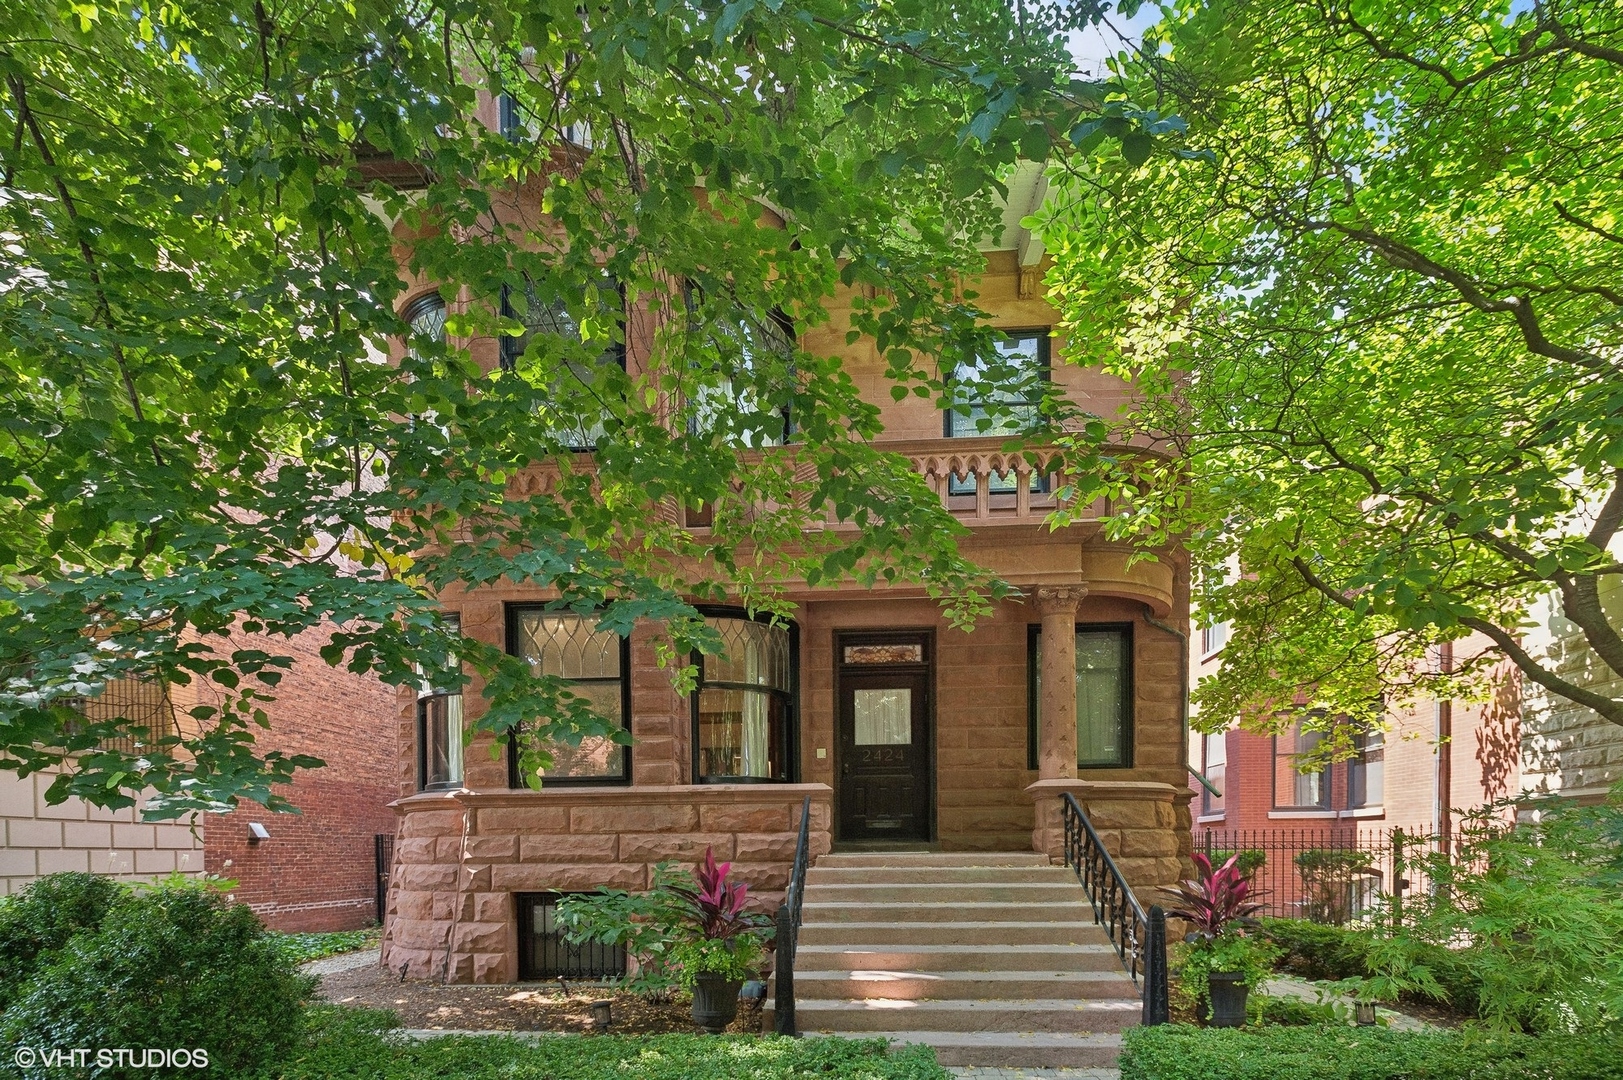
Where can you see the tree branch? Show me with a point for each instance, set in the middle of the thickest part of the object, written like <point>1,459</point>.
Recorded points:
<point>1609,708</point>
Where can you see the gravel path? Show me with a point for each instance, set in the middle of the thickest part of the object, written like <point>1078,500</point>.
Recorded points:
<point>332,965</point>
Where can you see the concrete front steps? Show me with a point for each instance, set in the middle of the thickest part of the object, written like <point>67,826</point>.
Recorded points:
<point>992,959</point>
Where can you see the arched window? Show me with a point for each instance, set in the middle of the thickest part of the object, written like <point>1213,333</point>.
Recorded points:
<point>426,316</point>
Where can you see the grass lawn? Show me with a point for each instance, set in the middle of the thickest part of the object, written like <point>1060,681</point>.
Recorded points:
<point>352,1044</point>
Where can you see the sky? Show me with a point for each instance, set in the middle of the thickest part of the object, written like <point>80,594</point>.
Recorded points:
<point>1093,45</point>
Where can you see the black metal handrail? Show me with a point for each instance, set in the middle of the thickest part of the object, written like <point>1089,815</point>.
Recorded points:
<point>788,921</point>
<point>1140,939</point>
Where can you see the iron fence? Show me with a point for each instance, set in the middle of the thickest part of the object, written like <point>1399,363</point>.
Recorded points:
<point>382,864</point>
<point>1333,875</point>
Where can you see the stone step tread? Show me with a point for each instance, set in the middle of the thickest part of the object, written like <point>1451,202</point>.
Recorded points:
<point>1088,929</point>
<point>1066,1015</point>
<point>957,950</point>
<point>991,1038</point>
<point>990,976</point>
<point>1080,903</point>
<point>934,858</point>
<point>967,892</point>
<point>968,1005</point>
<point>937,875</point>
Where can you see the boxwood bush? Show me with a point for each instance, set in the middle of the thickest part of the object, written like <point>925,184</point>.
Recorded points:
<point>171,967</point>
<point>39,921</point>
<point>1180,1052</point>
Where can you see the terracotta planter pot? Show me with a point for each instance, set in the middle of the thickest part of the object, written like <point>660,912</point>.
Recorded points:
<point>715,1001</point>
<point>1229,991</point>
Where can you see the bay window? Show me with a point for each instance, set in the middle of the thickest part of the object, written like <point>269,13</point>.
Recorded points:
<point>743,710</point>
<point>595,662</point>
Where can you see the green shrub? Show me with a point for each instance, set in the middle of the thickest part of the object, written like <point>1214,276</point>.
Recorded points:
<point>1251,860</point>
<point>171,967</point>
<point>1314,951</point>
<point>1291,1012</point>
<point>354,1045</point>
<point>39,921</point>
<point>1180,1052</point>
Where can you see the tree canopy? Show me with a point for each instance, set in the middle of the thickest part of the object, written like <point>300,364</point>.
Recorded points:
<point>211,418</point>
<point>1375,298</point>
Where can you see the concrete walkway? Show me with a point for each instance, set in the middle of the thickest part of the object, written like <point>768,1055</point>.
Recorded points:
<point>332,965</point>
<point>983,1072</point>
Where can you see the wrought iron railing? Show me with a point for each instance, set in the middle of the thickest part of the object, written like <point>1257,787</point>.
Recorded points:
<point>788,920</point>
<point>1140,939</point>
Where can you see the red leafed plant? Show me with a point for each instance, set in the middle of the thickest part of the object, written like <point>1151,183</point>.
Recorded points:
<point>1216,899</point>
<point>715,905</point>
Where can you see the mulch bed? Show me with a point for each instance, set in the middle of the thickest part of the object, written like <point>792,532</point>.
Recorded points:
<point>514,1007</point>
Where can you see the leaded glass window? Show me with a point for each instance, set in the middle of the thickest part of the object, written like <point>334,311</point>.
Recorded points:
<point>552,317</point>
<point>744,707</point>
<point>572,647</point>
<point>1013,379</point>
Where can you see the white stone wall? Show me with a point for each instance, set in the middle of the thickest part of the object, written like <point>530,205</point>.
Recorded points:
<point>1568,749</point>
<point>38,839</point>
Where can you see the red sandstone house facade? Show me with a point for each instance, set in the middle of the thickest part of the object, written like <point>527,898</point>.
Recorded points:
<point>904,732</point>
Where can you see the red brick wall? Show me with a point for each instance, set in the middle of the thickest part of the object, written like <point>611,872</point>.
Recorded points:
<point>316,872</point>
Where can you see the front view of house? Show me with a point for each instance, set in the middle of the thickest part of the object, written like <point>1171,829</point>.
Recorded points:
<point>906,733</point>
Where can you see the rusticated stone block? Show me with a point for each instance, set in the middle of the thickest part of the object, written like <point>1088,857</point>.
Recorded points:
<point>651,817</point>
<point>448,849</point>
<point>567,847</point>
<point>445,905</point>
<point>523,819</point>
<point>428,876</point>
<point>491,968</point>
<point>762,877</point>
<point>431,823</point>
<point>419,963</point>
<point>479,937</point>
<point>412,905</point>
<point>683,847</point>
<point>492,848</point>
<point>1124,814</point>
<point>545,877</point>
<point>491,907</point>
<point>424,934</point>
<point>765,847</point>
<point>756,819</point>
<point>418,849</point>
<point>1154,843</point>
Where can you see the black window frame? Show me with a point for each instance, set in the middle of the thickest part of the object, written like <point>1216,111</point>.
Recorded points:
<point>1045,364</point>
<point>417,306</point>
<point>423,700</point>
<point>1128,693</point>
<point>525,904</point>
<point>511,613</point>
<point>791,725</point>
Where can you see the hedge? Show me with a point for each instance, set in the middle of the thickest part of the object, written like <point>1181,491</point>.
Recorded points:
<point>1181,1052</point>
<point>356,1045</point>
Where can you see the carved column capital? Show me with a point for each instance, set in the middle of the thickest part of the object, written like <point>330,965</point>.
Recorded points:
<point>1060,599</point>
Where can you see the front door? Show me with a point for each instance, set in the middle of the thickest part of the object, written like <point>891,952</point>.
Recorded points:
<point>884,754</point>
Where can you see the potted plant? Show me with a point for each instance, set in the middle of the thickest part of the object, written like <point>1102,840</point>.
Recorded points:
<point>1222,961</point>
<point>725,943</point>
<point>689,930</point>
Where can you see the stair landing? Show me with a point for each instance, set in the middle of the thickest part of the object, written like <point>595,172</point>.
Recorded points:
<point>994,960</point>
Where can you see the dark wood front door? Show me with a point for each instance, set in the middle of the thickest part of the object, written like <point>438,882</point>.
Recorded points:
<point>885,767</point>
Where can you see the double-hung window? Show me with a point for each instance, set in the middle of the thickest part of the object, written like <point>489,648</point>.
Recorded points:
<point>1293,788</point>
<point>439,732</point>
<point>595,662</point>
<point>1214,757</point>
<point>1104,696</point>
<point>1366,773</point>
<point>999,395</point>
<point>743,710</point>
<point>582,385</point>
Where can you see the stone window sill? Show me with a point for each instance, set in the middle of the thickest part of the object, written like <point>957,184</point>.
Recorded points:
<point>1274,815</point>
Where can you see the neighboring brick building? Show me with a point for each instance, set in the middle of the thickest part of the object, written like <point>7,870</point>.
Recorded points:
<point>1398,780</point>
<point>317,869</point>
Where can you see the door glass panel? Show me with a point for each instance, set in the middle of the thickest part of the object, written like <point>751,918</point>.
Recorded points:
<point>884,717</point>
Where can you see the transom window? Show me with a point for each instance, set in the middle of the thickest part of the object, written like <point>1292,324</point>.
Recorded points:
<point>1104,696</point>
<point>426,317</point>
<point>595,662</point>
<point>744,709</point>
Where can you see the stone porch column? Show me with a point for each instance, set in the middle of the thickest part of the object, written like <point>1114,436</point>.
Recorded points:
<point>1056,712</point>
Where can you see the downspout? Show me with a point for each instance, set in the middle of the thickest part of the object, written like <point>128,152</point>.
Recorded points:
<point>1445,758</point>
